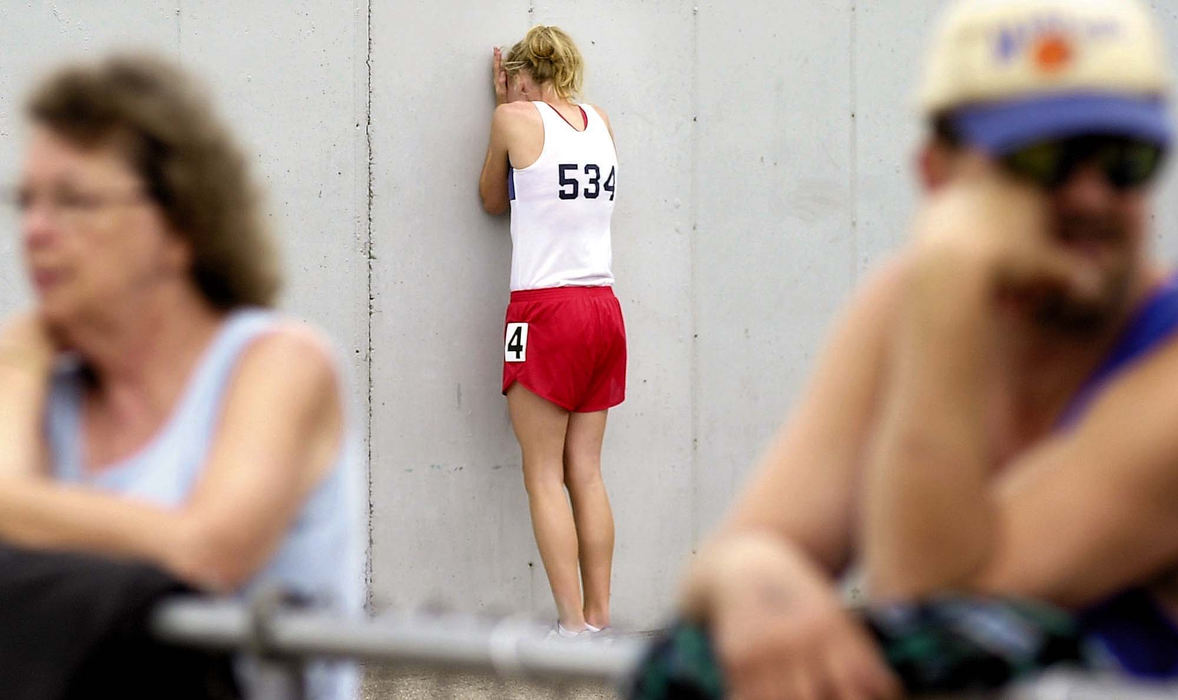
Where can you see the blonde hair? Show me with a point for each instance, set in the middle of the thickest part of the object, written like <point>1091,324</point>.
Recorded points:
<point>189,162</point>
<point>548,55</point>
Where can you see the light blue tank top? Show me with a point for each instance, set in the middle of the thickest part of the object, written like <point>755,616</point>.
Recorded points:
<point>322,555</point>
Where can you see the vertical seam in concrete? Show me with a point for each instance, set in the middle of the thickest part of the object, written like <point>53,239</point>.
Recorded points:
<point>853,166</point>
<point>179,28</point>
<point>692,278</point>
<point>532,573</point>
<point>369,260</point>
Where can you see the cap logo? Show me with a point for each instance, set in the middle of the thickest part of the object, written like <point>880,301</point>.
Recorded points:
<point>1053,52</point>
<point>1051,41</point>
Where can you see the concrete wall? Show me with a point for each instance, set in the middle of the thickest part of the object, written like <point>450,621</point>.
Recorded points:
<point>765,151</point>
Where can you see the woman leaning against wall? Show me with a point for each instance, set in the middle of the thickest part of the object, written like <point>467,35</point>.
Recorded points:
<point>551,160</point>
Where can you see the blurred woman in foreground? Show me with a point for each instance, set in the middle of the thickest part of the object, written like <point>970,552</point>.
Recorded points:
<point>154,407</point>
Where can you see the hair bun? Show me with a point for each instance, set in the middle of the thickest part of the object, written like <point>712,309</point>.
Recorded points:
<point>549,55</point>
<point>543,46</point>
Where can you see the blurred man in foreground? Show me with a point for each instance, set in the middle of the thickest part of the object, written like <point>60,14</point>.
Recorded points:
<point>995,411</point>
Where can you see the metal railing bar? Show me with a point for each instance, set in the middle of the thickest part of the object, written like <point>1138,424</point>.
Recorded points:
<point>508,647</point>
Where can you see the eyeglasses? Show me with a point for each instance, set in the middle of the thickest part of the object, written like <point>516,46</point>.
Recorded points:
<point>69,203</point>
<point>1125,163</point>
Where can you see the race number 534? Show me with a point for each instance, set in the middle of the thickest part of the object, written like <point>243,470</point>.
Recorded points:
<point>515,347</point>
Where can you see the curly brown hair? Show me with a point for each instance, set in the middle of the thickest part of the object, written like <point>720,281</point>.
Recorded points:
<point>164,123</point>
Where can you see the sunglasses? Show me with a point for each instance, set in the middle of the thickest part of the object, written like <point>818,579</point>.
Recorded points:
<point>1125,163</point>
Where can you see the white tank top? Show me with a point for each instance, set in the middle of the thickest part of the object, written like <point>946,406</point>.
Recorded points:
<point>561,206</point>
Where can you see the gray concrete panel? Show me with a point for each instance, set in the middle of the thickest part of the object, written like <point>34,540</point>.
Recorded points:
<point>775,248</point>
<point>888,50</point>
<point>292,79</point>
<point>1165,220</point>
<point>449,504</point>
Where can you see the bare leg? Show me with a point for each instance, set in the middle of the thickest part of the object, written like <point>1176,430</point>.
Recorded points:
<point>595,521</point>
<point>540,428</point>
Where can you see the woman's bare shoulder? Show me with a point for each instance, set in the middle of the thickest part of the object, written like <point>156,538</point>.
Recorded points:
<point>292,350</point>
<point>517,112</point>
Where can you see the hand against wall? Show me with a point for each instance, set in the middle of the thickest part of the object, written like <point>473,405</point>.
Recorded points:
<point>499,80</point>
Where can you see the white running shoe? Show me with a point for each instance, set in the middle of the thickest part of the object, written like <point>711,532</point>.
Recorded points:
<point>559,632</point>
<point>600,635</point>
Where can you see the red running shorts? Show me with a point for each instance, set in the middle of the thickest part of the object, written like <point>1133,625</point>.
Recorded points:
<point>567,345</point>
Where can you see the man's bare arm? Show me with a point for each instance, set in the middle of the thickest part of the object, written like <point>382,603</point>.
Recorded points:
<point>1095,510</point>
<point>928,513</point>
<point>804,488</point>
<point>1076,519</point>
<point>764,582</point>
<point>1078,516</point>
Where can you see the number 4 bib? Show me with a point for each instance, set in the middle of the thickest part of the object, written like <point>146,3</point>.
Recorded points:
<point>515,347</point>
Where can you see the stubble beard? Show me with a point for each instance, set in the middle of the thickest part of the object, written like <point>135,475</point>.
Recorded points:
<point>1082,318</point>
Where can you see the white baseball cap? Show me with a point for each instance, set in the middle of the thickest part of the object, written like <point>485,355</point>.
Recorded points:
<point>1009,73</point>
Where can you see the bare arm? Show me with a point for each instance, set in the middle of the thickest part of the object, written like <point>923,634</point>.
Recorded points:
<point>493,178</point>
<point>281,426</point>
<point>506,129</point>
<point>764,582</point>
<point>928,514</point>
<point>22,402</point>
<point>1076,517</point>
<point>26,359</point>
<point>1093,511</point>
<point>926,511</point>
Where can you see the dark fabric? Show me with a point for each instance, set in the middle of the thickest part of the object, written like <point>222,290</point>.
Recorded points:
<point>948,644</point>
<point>954,644</point>
<point>1134,630</point>
<point>75,626</point>
<point>679,665</point>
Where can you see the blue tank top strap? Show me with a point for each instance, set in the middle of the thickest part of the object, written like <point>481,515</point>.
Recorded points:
<point>63,421</point>
<point>1154,323</point>
<point>217,366</point>
<point>1134,634</point>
